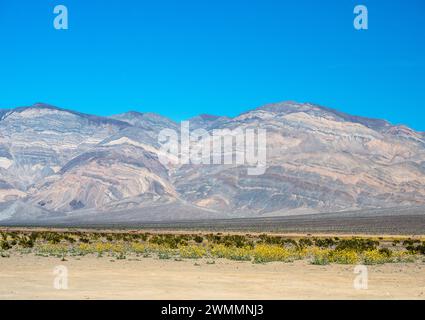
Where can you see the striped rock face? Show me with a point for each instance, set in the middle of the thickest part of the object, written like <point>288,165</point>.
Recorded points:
<point>57,165</point>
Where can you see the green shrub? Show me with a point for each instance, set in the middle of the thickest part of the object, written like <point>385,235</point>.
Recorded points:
<point>305,242</point>
<point>324,243</point>
<point>4,245</point>
<point>198,239</point>
<point>357,244</point>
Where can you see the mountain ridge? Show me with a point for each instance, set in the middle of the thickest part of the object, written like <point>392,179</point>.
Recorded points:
<point>210,117</point>
<point>60,163</point>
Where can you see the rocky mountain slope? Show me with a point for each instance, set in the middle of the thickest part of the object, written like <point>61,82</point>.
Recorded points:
<point>60,165</point>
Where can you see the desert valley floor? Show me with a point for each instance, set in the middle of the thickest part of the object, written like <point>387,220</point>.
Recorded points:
<point>166,264</point>
<point>147,278</point>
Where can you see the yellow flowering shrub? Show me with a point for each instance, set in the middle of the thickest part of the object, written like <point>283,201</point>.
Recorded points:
<point>84,248</point>
<point>138,247</point>
<point>232,253</point>
<point>259,249</point>
<point>268,253</point>
<point>343,256</point>
<point>102,247</point>
<point>375,257</point>
<point>192,252</point>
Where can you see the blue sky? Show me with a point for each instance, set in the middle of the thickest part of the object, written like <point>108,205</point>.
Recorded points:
<point>180,58</point>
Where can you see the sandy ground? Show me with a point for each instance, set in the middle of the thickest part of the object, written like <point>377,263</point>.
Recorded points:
<point>32,277</point>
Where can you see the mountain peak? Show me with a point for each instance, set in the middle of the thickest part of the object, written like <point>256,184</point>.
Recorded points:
<point>133,113</point>
<point>208,117</point>
<point>53,109</point>
<point>42,105</point>
<point>287,107</point>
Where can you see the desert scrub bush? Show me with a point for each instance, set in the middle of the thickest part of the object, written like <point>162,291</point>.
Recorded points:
<point>84,240</point>
<point>232,253</point>
<point>319,256</point>
<point>219,251</point>
<point>324,243</point>
<point>192,252</point>
<point>140,248</point>
<point>51,237</point>
<point>402,256</point>
<point>25,242</point>
<point>213,238</point>
<point>375,257</point>
<point>416,248</point>
<point>269,253</point>
<point>277,240</point>
<point>291,243</point>
<point>236,241</point>
<point>118,248</point>
<point>13,235</point>
<point>357,244</point>
<point>24,251</point>
<point>164,255</point>
<point>69,238</point>
<point>121,256</point>
<point>271,240</point>
<point>343,256</point>
<point>169,240</point>
<point>385,251</point>
<point>304,243</point>
<point>49,249</point>
<point>163,252</point>
<point>33,236</point>
<point>421,248</point>
<point>83,249</point>
<point>101,248</point>
<point>144,236</point>
<point>410,242</point>
<point>198,239</point>
<point>5,245</point>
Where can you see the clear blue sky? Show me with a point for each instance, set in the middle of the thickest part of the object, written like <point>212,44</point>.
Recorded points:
<point>180,58</point>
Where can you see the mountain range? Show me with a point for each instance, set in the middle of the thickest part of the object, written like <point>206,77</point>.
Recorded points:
<point>58,165</point>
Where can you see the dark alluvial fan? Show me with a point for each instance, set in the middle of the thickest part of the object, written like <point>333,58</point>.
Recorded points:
<point>60,166</point>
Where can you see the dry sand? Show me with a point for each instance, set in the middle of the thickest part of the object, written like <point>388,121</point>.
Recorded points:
<point>31,277</point>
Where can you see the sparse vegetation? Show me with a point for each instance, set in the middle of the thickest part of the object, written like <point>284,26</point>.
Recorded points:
<point>258,249</point>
